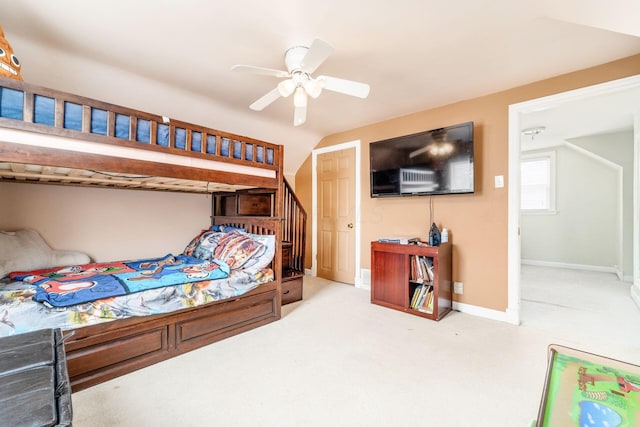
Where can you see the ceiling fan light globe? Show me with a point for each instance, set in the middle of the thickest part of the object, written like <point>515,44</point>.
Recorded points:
<point>321,81</point>
<point>300,97</point>
<point>299,115</point>
<point>313,88</point>
<point>286,87</point>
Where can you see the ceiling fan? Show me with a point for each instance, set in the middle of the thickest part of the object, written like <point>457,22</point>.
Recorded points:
<point>301,62</point>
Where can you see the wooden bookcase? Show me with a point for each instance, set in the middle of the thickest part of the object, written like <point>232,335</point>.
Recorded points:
<point>391,282</point>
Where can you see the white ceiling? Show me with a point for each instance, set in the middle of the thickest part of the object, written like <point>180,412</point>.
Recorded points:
<point>174,58</point>
<point>594,115</point>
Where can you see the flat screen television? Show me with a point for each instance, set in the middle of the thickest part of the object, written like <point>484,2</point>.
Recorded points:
<point>438,161</point>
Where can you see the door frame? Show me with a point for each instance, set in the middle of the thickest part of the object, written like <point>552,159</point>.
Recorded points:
<point>513,222</point>
<point>357,280</point>
<point>635,289</point>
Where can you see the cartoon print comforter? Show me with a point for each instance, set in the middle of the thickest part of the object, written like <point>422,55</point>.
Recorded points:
<point>19,313</point>
<point>64,287</point>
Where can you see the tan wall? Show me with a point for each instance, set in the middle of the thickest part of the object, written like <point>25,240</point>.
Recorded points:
<point>477,222</point>
<point>107,224</point>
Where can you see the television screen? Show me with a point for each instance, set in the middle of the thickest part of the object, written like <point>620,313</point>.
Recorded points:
<point>439,161</point>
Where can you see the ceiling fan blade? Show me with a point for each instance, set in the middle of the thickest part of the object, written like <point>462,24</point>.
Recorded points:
<point>267,99</point>
<point>300,115</point>
<point>348,87</point>
<point>318,52</point>
<point>260,70</point>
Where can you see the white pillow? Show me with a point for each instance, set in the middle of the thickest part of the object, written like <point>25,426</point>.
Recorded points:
<point>25,250</point>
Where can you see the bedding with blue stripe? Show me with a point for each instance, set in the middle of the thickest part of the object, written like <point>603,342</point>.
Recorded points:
<point>67,286</point>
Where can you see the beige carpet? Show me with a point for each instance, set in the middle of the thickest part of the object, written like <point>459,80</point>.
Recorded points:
<point>582,307</point>
<point>334,359</point>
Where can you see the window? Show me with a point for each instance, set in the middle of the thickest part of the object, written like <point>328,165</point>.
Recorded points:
<point>537,180</point>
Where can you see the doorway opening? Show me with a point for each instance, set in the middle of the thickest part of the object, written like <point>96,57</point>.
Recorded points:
<point>517,114</point>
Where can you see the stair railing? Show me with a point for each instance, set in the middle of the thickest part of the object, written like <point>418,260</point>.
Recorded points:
<point>294,226</point>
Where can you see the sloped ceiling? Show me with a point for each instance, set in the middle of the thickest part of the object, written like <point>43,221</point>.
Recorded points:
<point>174,58</point>
<point>594,115</point>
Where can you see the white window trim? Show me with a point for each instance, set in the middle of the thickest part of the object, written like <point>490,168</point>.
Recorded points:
<point>551,155</point>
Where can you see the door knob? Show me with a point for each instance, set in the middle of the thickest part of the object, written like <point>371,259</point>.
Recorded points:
<point>350,225</point>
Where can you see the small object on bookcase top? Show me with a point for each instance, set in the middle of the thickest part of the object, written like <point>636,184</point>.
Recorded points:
<point>399,239</point>
<point>434,235</point>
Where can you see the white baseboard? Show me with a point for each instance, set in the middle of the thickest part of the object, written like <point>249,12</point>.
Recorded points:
<point>510,316</point>
<point>487,313</point>
<point>364,281</point>
<point>602,269</point>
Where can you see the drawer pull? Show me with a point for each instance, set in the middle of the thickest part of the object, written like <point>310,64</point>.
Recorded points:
<point>287,291</point>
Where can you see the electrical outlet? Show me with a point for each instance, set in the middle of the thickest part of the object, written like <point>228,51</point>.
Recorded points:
<point>458,288</point>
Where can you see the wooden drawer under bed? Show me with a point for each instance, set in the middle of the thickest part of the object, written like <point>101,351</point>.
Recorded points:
<point>102,352</point>
<point>291,289</point>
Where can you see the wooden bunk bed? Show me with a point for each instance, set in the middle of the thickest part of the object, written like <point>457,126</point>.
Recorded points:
<point>58,138</point>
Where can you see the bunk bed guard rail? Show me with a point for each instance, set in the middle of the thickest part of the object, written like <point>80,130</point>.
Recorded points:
<point>28,107</point>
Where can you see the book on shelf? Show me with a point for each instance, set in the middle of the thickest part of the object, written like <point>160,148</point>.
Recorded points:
<point>416,295</point>
<point>421,269</point>
<point>403,240</point>
<point>427,304</point>
<point>422,299</point>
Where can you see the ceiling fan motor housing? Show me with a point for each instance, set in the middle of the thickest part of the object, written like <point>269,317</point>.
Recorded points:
<point>293,58</point>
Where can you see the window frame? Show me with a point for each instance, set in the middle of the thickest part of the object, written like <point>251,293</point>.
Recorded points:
<point>550,156</point>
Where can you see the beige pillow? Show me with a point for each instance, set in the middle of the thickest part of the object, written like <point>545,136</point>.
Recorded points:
<point>25,250</point>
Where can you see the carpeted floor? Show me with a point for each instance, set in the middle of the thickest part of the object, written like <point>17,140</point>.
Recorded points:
<point>334,359</point>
